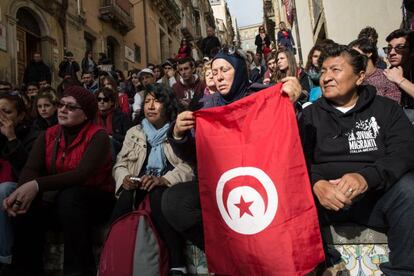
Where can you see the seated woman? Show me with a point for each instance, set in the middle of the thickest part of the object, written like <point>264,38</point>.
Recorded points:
<point>46,107</point>
<point>122,101</point>
<point>73,160</point>
<point>286,67</point>
<point>207,76</point>
<point>313,70</point>
<point>147,155</point>
<point>111,118</point>
<point>181,203</point>
<point>271,63</point>
<point>16,139</point>
<point>359,148</point>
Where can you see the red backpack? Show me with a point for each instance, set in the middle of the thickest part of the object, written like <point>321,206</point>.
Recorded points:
<point>133,247</point>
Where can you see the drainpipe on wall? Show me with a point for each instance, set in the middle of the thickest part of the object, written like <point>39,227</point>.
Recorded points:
<point>62,23</point>
<point>298,43</point>
<point>145,32</point>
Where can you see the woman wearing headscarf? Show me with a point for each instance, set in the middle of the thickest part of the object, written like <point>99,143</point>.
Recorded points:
<point>181,203</point>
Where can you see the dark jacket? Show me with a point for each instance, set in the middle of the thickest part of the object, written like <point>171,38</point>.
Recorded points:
<point>208,44</point>
<point>305,82</point>
<point>259,43</point>
<point>17,151</point>
<point>375,139</point>
<point>256,74</point>
<point>37,71</point>
<point>85,67</point>
<point>93,87</point>
<point>286,41</point>
<point>40,124</point>
<point>66,68</point>
<point>120,125</point>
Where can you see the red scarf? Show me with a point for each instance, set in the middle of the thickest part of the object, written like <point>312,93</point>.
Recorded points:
<point>104,119</point>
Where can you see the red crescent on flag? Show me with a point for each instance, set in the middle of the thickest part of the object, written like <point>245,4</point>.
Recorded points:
<point>245,180</point>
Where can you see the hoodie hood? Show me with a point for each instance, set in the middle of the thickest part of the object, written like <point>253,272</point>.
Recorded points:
<point>344,121</point>
<point>366,94</point>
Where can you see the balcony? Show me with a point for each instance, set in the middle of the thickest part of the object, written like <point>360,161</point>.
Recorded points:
<point>118,13</point>
<point>268,9</point>
<point>170,11</point>
<point>187,28</point>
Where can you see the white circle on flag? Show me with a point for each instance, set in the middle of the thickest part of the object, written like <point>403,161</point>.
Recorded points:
<point>245,209</point>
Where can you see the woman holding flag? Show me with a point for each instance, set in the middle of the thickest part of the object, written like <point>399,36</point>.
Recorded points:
<point>181,203</point>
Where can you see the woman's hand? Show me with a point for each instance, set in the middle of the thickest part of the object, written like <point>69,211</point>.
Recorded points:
<point>7,126</point>
<point>266,81</point>
<point>185,121</point>
<point>351,185</point>
<point>148,182</point>
<point>292,88</point>
<point>395,74</point>
<point>129,184</point>
<point>20,200</point>
<point>329,196</point>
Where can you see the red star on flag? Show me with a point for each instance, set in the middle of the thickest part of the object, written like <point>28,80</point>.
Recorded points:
<point>244,206</point>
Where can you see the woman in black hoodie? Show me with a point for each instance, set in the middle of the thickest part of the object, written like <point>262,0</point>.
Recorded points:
<point>359,149</point>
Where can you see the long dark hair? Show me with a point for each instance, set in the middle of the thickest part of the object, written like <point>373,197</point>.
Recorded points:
<point>291,70</point>
<point>309,64</point>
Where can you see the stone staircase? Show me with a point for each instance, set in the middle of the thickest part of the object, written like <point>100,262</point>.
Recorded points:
<point>362,250</point>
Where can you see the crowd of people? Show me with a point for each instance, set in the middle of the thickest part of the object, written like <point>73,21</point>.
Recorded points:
<point>92,149</point>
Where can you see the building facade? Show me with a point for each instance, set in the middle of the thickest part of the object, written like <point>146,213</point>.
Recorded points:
<point>224,24</point>
<point>248,36</point>
<point>131,33</point>
<point>341,21</point>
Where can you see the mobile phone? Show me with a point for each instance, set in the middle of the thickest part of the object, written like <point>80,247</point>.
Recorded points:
<point>135,178</point>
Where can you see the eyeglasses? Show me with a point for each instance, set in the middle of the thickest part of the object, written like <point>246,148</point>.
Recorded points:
<point>68,106</point>
<point>399,49</point>
<point>103,99</point>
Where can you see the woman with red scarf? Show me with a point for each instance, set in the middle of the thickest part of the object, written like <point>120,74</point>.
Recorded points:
<point>285,38</point>
<point>111,118</point>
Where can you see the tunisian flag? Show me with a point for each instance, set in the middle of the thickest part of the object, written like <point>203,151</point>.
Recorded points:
<point>258,211</point>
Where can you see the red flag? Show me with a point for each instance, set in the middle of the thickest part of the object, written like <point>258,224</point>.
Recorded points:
<point>258,211</point>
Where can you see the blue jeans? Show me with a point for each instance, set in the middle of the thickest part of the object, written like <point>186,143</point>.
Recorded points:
<point>6,230</point>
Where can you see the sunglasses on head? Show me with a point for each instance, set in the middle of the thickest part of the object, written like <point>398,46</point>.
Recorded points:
<point>399,49</point>
<point>103,99</point>
<point>68,106</point>
<point>231,51</point>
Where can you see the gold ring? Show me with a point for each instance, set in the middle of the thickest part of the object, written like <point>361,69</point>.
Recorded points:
<point>350,190</point>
